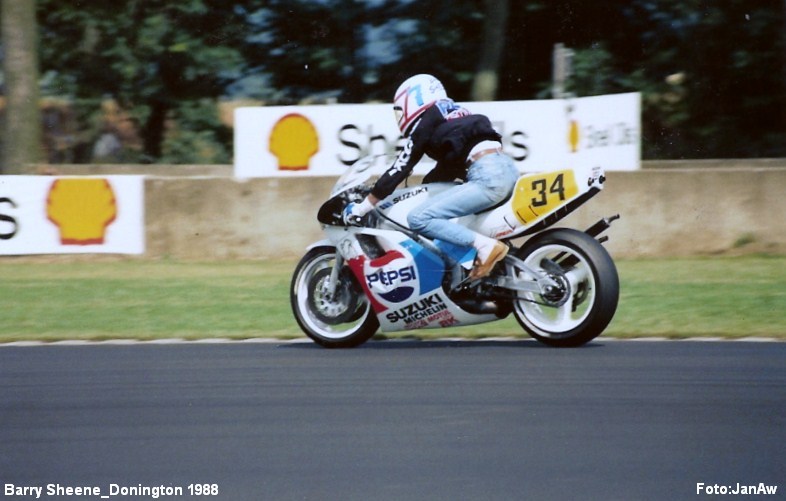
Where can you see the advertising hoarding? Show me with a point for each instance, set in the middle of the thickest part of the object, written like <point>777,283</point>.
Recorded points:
<point>540,135</point>
<point>71,215</point>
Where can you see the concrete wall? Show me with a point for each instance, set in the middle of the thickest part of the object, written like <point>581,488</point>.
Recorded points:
<point>222,218</point>
<point>667,209</point>
<point>678,212</point>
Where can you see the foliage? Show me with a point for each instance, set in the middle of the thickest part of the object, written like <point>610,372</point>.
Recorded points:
<point>442,42</point>
<point>731,57</point>
<point>152,56</point>
<point>197,136</point>
<point>712,74</point>
<point>354,51</point>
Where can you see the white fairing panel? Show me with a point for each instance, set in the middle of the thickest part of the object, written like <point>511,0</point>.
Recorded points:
<point>534,198</point>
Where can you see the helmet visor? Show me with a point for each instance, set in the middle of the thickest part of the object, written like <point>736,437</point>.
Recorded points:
<point>399,112</point>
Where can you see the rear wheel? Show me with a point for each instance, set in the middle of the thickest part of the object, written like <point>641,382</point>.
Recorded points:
<point>583,301</point>
<point>342,318</point>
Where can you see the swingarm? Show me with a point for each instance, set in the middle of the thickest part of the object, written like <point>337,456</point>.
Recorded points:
<point>521,278</point>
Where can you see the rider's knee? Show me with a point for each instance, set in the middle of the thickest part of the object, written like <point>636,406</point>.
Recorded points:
<point>499,192</point>
<point>417,220</point>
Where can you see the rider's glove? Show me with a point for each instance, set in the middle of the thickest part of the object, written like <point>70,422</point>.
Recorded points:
<point>353,213</point>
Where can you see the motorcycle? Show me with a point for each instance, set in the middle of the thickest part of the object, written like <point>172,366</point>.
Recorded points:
<point>561,285</point>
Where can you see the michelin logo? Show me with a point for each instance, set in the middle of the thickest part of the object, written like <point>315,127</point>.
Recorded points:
<point>420,310</point>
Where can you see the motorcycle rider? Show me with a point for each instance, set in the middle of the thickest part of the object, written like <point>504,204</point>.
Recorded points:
<point>466,147</point>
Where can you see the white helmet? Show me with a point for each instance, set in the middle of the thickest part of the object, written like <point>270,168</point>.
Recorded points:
<point>415,96</point>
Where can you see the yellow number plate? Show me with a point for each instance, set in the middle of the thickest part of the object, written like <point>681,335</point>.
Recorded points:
<point>540,194</point>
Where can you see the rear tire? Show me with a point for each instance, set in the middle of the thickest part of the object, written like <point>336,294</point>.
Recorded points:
<point>342,320</point>
<point>583,304</point>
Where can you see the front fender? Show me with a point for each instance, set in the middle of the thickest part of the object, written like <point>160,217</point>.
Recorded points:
<point>322,243</point>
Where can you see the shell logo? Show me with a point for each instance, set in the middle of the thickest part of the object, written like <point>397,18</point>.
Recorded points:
<point>573,136</point>
<point>82,209</point>
<point>294,141</point>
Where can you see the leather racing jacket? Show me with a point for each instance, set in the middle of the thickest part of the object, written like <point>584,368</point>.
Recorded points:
<point>445,132</point>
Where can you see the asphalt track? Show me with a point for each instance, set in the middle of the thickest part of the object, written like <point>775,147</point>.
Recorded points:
<point>492,420</point>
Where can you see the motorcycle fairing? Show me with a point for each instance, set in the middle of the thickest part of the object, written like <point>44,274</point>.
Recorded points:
<point>537,195</point>
<point>537,198</point>
<point>403,269</point>
<point>404,283</point>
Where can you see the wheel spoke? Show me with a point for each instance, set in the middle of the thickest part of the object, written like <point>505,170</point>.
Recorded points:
<point>577,275</point>
<point>554,314</point>
<point>564,313</point>
<point>582,297</point>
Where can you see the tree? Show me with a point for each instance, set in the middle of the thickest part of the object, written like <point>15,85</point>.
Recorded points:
<point>320,49</point>
<point>783,67</point>
<point>22,124</point>
<point>729,59</point>
<point>484,88</point>
<point>152,56</point>
<point>444,40</point>
<point>711,74</point>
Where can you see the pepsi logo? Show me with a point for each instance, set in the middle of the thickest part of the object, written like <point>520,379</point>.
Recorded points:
<point>388,276</point>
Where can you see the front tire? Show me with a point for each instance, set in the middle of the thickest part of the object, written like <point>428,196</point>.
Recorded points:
<point>587,292</point>
<point>343,319</point>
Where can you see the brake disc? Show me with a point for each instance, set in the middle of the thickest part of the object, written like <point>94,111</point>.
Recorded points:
<point>337,308</point>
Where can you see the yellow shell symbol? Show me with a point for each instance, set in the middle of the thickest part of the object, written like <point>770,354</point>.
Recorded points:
<point>82,209</point>
<point>573,136</point>
<point>294,141</point>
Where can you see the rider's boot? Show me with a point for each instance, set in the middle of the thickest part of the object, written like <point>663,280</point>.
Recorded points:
<point>490,252</point>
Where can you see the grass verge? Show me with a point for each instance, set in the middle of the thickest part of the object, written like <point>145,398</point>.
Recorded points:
<point>131,299</point>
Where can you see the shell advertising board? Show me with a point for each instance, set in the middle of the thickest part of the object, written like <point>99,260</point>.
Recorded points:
<point>71,215</point>
<point>540,135</point>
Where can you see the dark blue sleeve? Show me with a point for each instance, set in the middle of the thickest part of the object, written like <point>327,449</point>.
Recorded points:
<point>409,157</point>
<point>399,171</point>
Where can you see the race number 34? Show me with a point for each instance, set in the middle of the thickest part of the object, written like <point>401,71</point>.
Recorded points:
<point>540,194</point>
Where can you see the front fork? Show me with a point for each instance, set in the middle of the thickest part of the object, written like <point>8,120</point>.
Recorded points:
<point>333,279</point>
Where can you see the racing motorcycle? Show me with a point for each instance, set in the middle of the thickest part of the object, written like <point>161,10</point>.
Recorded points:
<point>560,284</point>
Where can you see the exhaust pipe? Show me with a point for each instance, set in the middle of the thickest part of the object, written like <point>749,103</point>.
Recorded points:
<point>601,226</point>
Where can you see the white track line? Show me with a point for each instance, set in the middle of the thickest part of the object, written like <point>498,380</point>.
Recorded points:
<point>170,341</point>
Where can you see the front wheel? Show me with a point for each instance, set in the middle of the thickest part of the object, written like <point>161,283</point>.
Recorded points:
<point>583,301</point>
<point>338,318</point>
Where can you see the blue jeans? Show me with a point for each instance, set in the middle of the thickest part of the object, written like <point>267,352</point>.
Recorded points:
<point>489,181</point>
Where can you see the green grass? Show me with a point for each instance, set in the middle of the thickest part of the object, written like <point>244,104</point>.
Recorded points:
<point>131,299</point>
<point>145,300</point>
